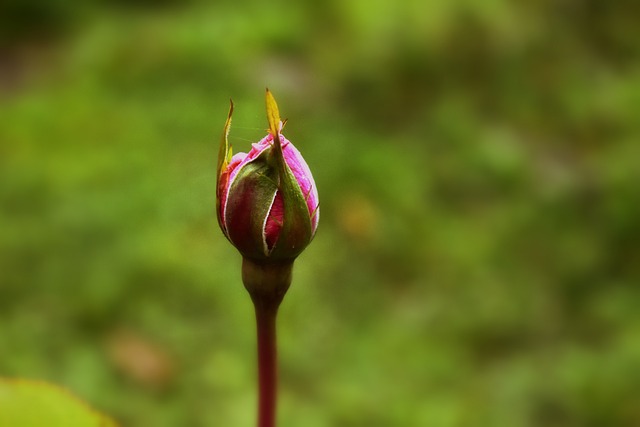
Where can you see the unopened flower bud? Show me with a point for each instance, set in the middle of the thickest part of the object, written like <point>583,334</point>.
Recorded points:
<point>267,201</point>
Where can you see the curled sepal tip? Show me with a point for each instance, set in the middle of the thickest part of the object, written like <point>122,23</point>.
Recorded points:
<point>225,151</point>
<point>273,114</point>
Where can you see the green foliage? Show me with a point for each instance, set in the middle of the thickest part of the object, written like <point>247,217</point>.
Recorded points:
<point>476,261</point>
<point>34,404</point>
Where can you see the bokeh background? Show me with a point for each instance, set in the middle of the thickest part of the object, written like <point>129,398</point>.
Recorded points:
<point>478,162</point>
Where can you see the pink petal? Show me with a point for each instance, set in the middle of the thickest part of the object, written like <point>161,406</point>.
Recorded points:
<point>274,221</point>
<point>302,173</point>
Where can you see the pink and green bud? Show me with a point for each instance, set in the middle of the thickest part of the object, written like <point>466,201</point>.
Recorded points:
<point>267,201</point>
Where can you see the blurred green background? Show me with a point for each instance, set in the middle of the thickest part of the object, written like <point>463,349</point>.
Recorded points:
<point>478,163</point>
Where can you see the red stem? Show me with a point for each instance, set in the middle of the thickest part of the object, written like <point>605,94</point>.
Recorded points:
<point>267,283</point>
<point>266,312</point>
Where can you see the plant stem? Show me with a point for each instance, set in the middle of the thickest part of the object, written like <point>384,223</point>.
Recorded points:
<point>266,313</point>
<point>267,283</point>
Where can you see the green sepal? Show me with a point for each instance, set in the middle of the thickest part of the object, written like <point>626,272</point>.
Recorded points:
<point>296,232</point>
<point>250,199</point>
<point>297,229</point>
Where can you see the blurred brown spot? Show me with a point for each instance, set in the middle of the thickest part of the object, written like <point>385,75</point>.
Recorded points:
<point>358,217</point>
<point>139,359</point>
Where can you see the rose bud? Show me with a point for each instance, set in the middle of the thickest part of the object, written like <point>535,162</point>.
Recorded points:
<point>267,201</point>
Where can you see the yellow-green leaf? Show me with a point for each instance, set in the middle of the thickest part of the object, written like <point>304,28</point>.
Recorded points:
<point>25,403</point>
